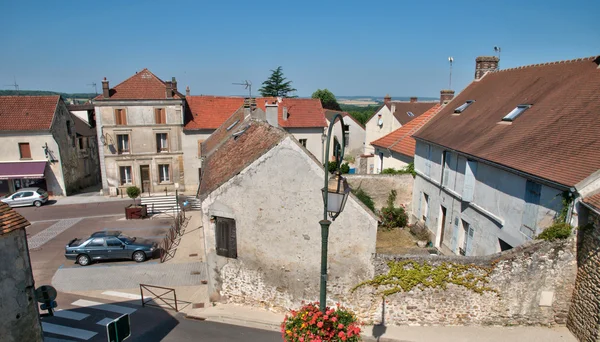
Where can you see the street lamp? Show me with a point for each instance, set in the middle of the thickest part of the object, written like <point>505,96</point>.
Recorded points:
<point>335,195</point>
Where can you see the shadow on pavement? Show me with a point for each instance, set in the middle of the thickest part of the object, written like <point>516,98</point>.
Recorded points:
<point>380,329</point>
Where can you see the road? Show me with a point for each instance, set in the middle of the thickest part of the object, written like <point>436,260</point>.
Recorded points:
<point>57,212</point>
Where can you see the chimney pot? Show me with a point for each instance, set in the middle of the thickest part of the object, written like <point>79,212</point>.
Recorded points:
<point>174,83</point>
<point>105,89</point>
<point>387,99</point>
<point>446,95</point>
<point>413,99</point>
<point>187,91</point>
<point>485,64</point>
<point>169,89</point>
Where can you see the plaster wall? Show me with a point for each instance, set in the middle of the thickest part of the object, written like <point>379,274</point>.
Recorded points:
<point>391,159</point>
<point>379,187</point>
<point>355,145</point>
<point>191,158</point>
<point>374,131</point>
<point>313,139</point>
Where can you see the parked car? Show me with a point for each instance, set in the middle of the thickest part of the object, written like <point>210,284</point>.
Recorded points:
<point>26,196</point>
<point>109,245</point>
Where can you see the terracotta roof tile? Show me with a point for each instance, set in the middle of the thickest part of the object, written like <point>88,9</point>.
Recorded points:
<point>10,220</point>
<point>330,113</point>
<point>209,112</point>
<point>593,200</point>
<point>144,85</point>
<point>27,113</point>
<point>556,139</point>
<point>417,108</point>
<point>401,140</point>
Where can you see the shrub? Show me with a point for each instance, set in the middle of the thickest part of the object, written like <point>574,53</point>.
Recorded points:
<point>389,171</point>
<point>409,169</point>
<point>133,192</point>
<point>558,230</point>
<point>332,166</point>
<point>345,168</point>
<point>392,217</point>
<point>365,198</point>
<point>310,324</point>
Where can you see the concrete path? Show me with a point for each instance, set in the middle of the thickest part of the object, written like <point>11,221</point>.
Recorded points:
<point>190,246</point>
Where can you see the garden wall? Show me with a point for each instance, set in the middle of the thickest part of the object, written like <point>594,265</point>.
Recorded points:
<point>379,187</point>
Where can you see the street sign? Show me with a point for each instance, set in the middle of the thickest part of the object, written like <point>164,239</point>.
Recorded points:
<point>45,293</point>
<point>119,329</point>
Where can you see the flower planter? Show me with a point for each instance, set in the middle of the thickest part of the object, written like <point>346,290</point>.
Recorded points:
<point>135,212</point>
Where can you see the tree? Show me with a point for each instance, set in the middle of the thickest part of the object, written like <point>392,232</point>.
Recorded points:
<point>327,99</point>
<point>133,192</point>
<point>276,85</point>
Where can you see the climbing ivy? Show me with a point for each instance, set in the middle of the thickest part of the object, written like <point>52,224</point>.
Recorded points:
<point>404,276</point>
<point>567,199</point>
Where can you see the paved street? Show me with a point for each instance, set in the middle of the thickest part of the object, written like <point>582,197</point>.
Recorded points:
<point>50,211</point>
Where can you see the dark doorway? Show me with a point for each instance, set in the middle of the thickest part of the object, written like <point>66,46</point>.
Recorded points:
<point>145,176</point>
<point>442,225</point>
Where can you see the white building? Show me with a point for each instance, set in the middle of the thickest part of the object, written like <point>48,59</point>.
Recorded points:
<point>355,137</point>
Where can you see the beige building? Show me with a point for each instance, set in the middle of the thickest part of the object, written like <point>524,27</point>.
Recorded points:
<point>43,145</point>
<point>139,124</point>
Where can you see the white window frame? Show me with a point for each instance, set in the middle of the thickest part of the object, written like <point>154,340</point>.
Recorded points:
<point>162,168</point>
<point>162,146</point>
<point>120,148</point>
<point>128,179</point>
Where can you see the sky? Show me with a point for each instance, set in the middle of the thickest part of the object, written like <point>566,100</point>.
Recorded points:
<point>350,47</point>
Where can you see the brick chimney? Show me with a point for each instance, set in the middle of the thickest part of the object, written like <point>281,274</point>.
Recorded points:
<point>187,91</point>
<point>413,99</point>
<point>105,88</point>
<point>174,83</point>
<point>271,110</point>
<point>446,95</point>
<point>484,64</point>
<point>169,89</point>
<point>387,99</point>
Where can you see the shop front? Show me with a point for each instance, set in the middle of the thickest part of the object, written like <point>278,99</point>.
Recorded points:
<point>18,175</point>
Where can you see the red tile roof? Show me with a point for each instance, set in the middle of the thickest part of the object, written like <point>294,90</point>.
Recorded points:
<point>144,85</point>
<point>27,113</point>
<point>556,139</point>
<point>417,108</point>
<point>209,112</point>
<point>401,140</point>
<point>329,114</point>
<point>593,200</point>
<point>10,220</point>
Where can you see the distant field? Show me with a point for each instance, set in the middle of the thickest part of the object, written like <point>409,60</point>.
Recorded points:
<point>358,102</point>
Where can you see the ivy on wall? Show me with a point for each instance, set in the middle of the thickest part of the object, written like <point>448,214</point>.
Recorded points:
<point>404,276</point>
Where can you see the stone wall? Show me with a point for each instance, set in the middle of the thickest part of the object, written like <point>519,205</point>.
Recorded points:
<point>533,285</point>
<point>379,186</point>
<point>19,318</point>
<point>584,316</point>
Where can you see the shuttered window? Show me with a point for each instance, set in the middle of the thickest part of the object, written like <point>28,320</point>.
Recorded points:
<point>428,161</point>
<point>533,192</point>
<point>120,116</point>
<point>226,237</point>
<point>160,116</point>
<point>24,150</point>
<point>446,166</point>
<point>469,186</point>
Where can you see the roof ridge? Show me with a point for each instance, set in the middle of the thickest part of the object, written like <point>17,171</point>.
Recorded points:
<point>418,126</point>
<point>136,74</point>
<point>565,61</point>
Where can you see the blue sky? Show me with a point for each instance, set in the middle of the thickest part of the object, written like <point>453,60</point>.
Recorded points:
<point>350,47</point>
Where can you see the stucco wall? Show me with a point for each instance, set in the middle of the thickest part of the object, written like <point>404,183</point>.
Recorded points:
<point>19,317</point>
<point>277,205</point>
<point>191,160</point>
<point>373,131</point>
<point>313,139</point>
<point>356,144</point>
<point>391,159</point>
<point>495,212</point>
<point>379,187</point>
<point>533,285</point>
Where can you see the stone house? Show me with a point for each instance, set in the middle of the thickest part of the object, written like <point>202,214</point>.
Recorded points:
<point>139,124</point>
<point>494,165</point>
<point>40,145</point>
<point>303,118</point>
<point>388,118</point>
<point>355,137</point>
<point>19,317</point>
<point>261,206</point>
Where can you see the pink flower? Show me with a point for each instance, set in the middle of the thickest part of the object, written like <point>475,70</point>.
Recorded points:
<point>340,326</point>
<point>334,319</point>
<point>320,324</point>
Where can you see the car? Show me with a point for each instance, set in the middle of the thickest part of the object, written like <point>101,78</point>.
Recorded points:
<point>109,245</point>
<point>26,196</point>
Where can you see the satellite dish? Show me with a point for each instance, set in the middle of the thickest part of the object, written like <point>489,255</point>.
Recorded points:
<point>380,122</point>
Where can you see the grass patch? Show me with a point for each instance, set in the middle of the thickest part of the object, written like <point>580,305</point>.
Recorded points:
<point>397,241</point>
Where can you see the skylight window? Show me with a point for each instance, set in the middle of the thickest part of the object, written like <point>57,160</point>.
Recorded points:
<point>410,114</point>
<point>464,106</point>
<point>233,125</point>
<point>516,112</point>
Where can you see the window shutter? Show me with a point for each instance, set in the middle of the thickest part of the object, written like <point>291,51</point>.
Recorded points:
<point>24,150</point>
<point>226,237</point>
<point>533,192</point>
<point>117,117</point>
<point>163,116</point>
<point>157,115</point>
<point>469,186</point>
<point>428,161</point>
<point>448,158</point>
<point>469,238</point>
<point>123,117</point>
<point>200,148</point>
<point>232,242</point>
<point>455,235</point>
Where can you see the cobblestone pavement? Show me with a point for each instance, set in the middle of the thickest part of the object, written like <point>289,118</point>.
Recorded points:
<point>130,276</point>
<point>51,232</point>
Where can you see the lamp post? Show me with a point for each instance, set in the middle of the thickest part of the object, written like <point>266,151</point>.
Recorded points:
<point>335,194</point>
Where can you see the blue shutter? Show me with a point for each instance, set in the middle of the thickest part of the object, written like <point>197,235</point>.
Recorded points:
<point>419,207</point>
<point>455,235</point>
<point>448,158</point>
<point>428,161</point>
<point>469,238</point>
<point>469,186</point>
<point>533,192</point>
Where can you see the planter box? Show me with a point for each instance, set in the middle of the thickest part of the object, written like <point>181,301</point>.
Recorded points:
<point>136,212</point>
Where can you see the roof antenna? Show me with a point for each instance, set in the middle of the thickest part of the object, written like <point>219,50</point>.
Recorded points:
<point>93,84</point>
<point>498,50</point>
<point>15,85</point>
<point>247,85</point>
<point>450,60</point>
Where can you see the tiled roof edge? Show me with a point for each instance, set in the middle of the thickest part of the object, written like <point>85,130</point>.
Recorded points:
<point>591,58</point>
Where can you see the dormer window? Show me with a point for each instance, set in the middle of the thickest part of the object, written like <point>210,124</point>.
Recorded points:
<point>516,112</point>
<point>464,106</point>
<point>410,114</point>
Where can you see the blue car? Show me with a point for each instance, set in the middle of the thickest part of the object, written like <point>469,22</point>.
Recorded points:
<point>109,245</point>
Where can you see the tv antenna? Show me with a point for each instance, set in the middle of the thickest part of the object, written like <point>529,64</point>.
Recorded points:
<point>247,85</point>
<point>450,60</point>
<point>498,50</point>
<point>93,84</point>
<point>15,85</point>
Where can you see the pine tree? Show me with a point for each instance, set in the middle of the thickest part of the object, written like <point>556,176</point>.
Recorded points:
<point>276,85</point>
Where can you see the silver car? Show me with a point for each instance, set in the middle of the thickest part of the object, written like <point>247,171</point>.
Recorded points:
<point>26,196</point>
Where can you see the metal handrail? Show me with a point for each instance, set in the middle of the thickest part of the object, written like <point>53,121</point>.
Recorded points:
<point>169,290</point>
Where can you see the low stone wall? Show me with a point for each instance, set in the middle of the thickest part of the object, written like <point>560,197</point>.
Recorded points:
<point>532,285</point>
<point>379,187</point>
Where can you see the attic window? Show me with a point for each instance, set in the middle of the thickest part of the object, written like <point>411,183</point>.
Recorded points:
<point>233,125</point>
<point>464,106</point>
<point>516,112</point>
<point>410,114</point>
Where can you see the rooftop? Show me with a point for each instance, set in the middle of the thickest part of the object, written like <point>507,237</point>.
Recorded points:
<point>144,85</point>
<point>10,220</point>
<point>27,113</point>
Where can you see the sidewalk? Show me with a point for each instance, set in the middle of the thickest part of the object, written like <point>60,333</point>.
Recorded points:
<point>268,320</point>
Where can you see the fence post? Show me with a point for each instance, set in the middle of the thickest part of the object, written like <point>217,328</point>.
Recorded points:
<point>142,295</point>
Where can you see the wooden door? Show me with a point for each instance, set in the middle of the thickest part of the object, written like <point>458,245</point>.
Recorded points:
<point>145,176</point>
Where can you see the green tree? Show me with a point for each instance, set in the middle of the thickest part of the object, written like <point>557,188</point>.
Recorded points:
<point>327,99</point>
<point>276,85</point>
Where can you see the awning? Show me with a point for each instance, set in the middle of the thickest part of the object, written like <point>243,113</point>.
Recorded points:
<point>22,170</point>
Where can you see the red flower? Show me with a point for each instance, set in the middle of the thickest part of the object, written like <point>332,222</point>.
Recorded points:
<point>340,326</point>
<point>320,324</point>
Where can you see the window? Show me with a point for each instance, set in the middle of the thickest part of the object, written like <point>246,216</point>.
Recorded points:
<point>469,186</point>
<point>425,209</point>
<point>68,127</point>
<point>97,242</point>
<point>120,116</point>
<point>125,172</point>
<point>533,192</point>
<point>346,135</point>
<point>24,150</point>
<point>113,242</point>
<point>303,142</point>
<point>163,173</point>
<point>468,233</point>
<point>80,141</point>
<point>27,194</point>
<point>160,116</point>
<point>73,141</point>
<point>516,112</point>
<point>123,143</point>
<point>162,142</point>
<point>226,237</point>
<point>233,125</point>
<point>410,114</point>
<point>464,106</point>
<point>446,166</point>
<point>428,160</point>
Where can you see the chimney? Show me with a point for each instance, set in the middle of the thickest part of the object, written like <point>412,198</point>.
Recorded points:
<point>247,110</point>
<point>187,91</point>
<point>271,110</point>
<point>484,64</point>
<point>387,99</point>
<point>169,89</point>
<point>105,89</point>
<point>174,83</point>
<point>446,95</point>
<point>413,99</point>
<point>285,113</point>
